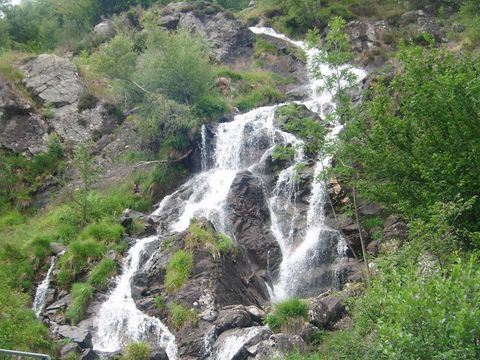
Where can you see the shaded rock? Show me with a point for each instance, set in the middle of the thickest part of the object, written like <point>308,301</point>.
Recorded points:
<point>69,349</point>
<point>88,354</point>
<point>372,248</point>
<point>233,317</point>
<point>350,230</point>
<point>53,80</point>
<point>343,324</point>
<point>57,248</point>
<point>20,130</point>
<point>324,311</point>
<point>158,354</point>
<point>395,227</point>
<point>128,217</point>
<point>78,335</point>
<point>248,212</point>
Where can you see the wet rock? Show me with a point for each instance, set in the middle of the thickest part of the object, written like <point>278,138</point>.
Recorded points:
<point>256,314</point>
<point>230,41</point>
<point>350,230</point>
<point>70,348</point>
<point>233,317</point>
<point>395,227</point>
<point>53,80</point>
<point>247,210</point>
<point>82,337</point>
<point>158,354</point>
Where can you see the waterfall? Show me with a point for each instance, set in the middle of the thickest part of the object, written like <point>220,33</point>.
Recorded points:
<point>41,292</point>
<point>242,144</point>
<point>119,322</point>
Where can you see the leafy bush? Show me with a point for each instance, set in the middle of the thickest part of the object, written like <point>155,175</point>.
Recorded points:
<point>160,304</point>
<point>178,269</point>
<point>258,97</point>
<point>137,351</point>
<point>415,312</point>
<point>288,315</point>
<point>101,274</point>
<point>81,295</point>
<point>283,153</point>
<point>179,316</point>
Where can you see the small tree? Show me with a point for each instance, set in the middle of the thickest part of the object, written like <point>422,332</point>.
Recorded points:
<point>337,79</point>
<point>83,161</point>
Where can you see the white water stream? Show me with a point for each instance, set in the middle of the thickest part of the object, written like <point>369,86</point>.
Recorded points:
<point>41,292</point>
<point>242,144</point>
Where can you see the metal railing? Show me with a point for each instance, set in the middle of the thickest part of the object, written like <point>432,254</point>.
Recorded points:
<point>25,354</point>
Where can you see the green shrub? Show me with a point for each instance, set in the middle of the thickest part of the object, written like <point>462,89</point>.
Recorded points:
<point>87,249</point>
<point>41,246</point>
<point>137,351</point>
<point>211,107</point>
<point>258,97</point>
<point>201,235</point>
<point>415,312</point>
<point>288,315</point>
<point>283,153</point>
<point>178,269</point>
<point>11,218</point>
<point>179,316</point>
<point>101,274</point>
<point>81,295</point>
<point>87,101</point>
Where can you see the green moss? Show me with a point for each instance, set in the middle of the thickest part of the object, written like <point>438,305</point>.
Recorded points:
<point>179,316</point>
<point>81,295</point>
<point>178,269</point>
<point>263,46</point>
<point>201,235</point>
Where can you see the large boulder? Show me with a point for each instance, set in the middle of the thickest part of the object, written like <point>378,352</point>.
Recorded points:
<point>234,344</point>
<point>247,210</point>
<point>20,129</point>
<point>53,80</point>
<point>230,41</point>
<point>82,337</point>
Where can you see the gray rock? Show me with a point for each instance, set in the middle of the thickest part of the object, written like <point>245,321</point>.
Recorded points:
<point>230,41</point>
<point>247,210</point>
<point>158,354</point>
<point>68,349</point>
<point>53,80</point>
<point>233,317</point>
<point>324,311</point>
<point>278,346</point>
<point>20,130</point>
<point>104,30</point>
<point>128,216</point>
<point>82,337</point>
<point>238,344</point>
<point>57,248</point>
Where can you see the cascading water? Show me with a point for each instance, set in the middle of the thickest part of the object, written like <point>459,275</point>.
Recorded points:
<point>242,144</point>
<point>119,321</point>
<point>41,292</point>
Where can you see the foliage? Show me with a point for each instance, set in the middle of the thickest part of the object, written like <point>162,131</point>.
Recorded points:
<point>83,161</point>
<point>260,96</point>
<point>18,327</point>
<point>101,274</point>
<point>288,315</point>
<point>415,313</point>
<point>417,141</point>
<point>178,269</point>
<point>104,231</point>
<point>81,295</point>
<point>283,153</point>
<point>160,303</point>
<point>137,351</point>
<point>179,316</point>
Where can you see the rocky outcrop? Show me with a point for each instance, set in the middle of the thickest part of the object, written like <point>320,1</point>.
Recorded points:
<point>104,30</point>
<point>229,40</point>
<point>53,79</point>
<point>20,129</point>
<point>248,213</point>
